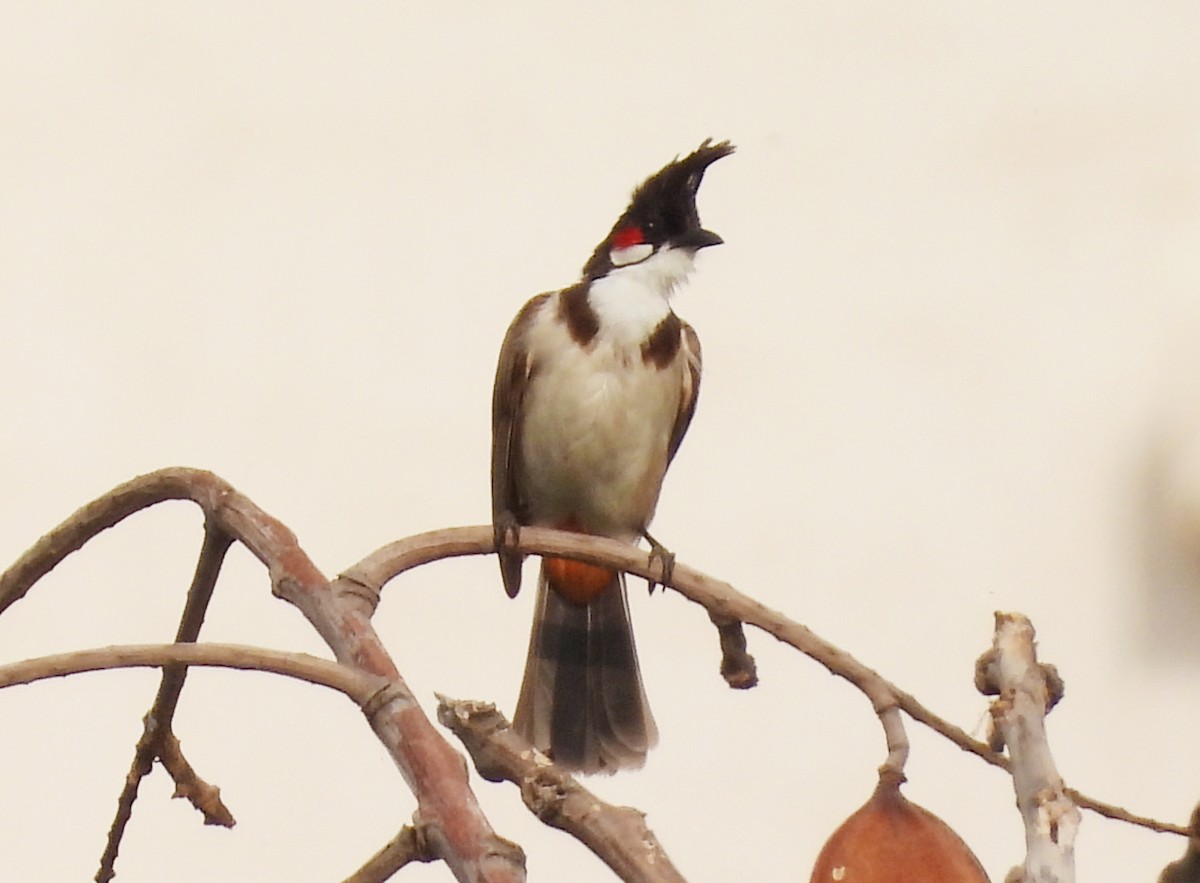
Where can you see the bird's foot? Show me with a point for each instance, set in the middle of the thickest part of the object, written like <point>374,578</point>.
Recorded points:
<point>665,558</point>
<point>506,534</point>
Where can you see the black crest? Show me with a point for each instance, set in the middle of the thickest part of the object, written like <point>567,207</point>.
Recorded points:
<point>664,206</point>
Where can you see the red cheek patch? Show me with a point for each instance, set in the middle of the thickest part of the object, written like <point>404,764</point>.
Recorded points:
<point>628,236</point>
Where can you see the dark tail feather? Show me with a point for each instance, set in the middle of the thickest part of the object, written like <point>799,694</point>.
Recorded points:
<point>582,701</point>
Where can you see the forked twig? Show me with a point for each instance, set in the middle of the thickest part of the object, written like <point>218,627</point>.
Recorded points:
<point>158,739</point>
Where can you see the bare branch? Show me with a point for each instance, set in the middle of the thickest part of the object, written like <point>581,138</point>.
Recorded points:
<point>456,827</point>
<point>720,599</point>
<point>358,687</point>
<point>447,813</point>
<point>724,604</point>
<point>188,785</point>
<point>1023,687</point>
<point>1119,814</point>
<point>407,846</point>
<point>617,834</point>
<point>1186,869</point>
<point>157,739</point>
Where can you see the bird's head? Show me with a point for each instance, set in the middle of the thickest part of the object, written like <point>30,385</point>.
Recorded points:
<point>661,219</point>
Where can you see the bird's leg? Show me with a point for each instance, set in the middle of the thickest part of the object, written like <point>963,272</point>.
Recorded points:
<point>665,558</point>
<point>506,534</point>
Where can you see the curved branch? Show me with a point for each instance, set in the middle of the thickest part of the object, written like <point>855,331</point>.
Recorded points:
<point>355,685</point>
<point>723,603</point>
<point>720,599</point>
<point>455,826</point>
<point>268,539</point>
<point>98,516</point>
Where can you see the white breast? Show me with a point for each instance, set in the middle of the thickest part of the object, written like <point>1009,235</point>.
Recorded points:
<point>598,419</point>
<point>631,300</point>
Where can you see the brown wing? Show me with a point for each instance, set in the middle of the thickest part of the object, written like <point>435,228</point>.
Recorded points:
<point>691,388</point>
<point>512,378</point>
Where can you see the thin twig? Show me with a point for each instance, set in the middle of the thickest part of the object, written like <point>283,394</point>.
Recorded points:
<point>1187,868</point>
<point>1116,813</point>
<point>158,739</point>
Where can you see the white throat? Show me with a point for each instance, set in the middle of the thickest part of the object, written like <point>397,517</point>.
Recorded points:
<point>631,300</point>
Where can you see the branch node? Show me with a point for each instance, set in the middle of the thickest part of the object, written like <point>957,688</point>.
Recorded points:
<point>986,677</point>
<point>387,693</point>
<point>737,666</point>
<point>348,586</point>
<point>189,786</point>
<point>896,739</point>
<point>1056,687</point>
<point>285,585</point>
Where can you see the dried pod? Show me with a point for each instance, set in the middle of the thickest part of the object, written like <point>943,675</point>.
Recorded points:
<point>892,840</point>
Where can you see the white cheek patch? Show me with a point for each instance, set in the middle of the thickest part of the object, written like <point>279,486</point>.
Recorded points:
<point>633,254</point>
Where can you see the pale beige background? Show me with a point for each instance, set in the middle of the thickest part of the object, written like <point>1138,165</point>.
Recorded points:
<point>950,368</point>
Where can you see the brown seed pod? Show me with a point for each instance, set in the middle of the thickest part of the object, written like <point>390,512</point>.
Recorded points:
<point>892,840</point>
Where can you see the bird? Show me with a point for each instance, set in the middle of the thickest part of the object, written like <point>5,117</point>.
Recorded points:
<point>596,384</point>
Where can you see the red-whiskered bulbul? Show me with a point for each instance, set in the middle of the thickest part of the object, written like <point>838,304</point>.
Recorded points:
<point>595,388</point>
